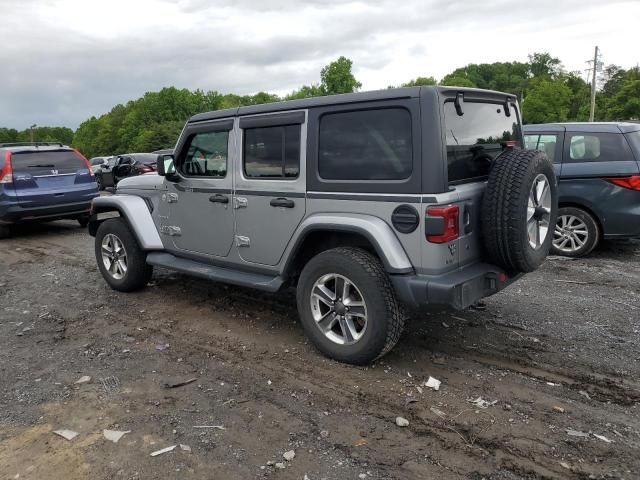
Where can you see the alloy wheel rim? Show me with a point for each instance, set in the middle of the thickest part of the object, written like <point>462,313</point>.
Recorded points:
<point>114,256</point>
<point>339,309</point>
<point>570,234</point>
<point>539,212</point>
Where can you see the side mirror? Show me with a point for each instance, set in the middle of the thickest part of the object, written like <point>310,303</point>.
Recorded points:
<point>165,167</point>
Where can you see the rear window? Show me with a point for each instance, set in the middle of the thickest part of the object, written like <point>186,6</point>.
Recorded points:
<point>475,138</point>
<point>634,140</point>
<point>47,163</point>
<point>597,147</point>
<point>366,145</point>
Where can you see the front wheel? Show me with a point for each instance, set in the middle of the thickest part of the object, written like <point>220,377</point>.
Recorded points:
<point>348,307</point>
<point>576,233</point>
<point>120,259</point>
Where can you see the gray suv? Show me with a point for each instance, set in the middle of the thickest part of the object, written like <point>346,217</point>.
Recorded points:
<point>363,202</point>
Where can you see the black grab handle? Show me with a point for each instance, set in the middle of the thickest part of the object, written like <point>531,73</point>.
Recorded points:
<point>219,198</point>
<point>282,202</point>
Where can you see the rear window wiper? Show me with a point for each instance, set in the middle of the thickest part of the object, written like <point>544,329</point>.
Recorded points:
<point>42,166</point>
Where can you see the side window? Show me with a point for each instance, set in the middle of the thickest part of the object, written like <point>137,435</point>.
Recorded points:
<point>597,147</point>
<point>366,145</point>
<point>544,143</point>
<point>272,152</point>
<point>206,155</point>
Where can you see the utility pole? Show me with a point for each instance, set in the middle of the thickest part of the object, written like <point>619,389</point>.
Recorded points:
<point>592,112</point>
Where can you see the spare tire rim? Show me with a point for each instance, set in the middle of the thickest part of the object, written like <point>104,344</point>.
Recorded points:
<point>338,309</point>
<point>570,234</point>
<point>114,256</point>
<point>539,211</point>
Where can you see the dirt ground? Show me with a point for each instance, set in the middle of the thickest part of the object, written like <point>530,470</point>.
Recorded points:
<point>554,361</point>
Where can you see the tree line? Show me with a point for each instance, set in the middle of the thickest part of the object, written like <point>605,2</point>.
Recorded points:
<point>546,91</point>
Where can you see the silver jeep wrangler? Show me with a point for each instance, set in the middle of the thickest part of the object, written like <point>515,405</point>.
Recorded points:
<point>364,202</point>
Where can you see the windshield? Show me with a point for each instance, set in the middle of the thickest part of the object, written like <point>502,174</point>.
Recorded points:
<point>477,136</point>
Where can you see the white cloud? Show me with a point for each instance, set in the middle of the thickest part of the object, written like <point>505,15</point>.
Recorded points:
<point>65,60</point>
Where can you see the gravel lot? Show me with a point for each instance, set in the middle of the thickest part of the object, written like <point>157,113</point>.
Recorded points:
<point>554,361</point>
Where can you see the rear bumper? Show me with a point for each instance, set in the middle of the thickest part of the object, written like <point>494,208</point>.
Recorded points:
<point>458,289</point>
<point>15,213</point>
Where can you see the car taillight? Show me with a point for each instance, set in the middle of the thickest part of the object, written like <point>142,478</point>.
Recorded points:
<point>451,229</point>
<point>86,162</point>
<point>6,174</point>
<point>632,183</point>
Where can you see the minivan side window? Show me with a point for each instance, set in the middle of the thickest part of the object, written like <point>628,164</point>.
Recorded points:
<point>597,147</point>
<point>207,154</point>
<point>272,152</point>
<point>366,145</point>
<point>544,143</point>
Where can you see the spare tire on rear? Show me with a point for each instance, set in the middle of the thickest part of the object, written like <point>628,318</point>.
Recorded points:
<point>519,210</point>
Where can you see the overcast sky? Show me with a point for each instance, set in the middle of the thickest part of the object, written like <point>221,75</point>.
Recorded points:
<point>62,61</point>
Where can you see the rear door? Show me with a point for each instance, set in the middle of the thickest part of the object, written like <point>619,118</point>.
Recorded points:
<point>51,177</point>
<point>270,198</point>
<point>476,132</point>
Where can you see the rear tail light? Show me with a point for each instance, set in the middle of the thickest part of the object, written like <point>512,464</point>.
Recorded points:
<point>6,174</point>
<point>450,216</point>
<point>86,162</point>
<point>632,183</point>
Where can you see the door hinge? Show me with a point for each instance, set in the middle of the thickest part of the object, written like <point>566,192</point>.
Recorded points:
<point>239,202</point>
<point>171,230</point>
<point>170,197</point>
<point>242,241</point>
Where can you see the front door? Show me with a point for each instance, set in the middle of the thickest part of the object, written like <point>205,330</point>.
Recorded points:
<point>270,185</point>
<point>200,205</point>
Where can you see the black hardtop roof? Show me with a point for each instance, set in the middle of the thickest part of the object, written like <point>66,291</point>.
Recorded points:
<point>593,127</point>
<point>359,97</point>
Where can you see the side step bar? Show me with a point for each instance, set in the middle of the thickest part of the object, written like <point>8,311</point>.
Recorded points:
<point>217,274</point>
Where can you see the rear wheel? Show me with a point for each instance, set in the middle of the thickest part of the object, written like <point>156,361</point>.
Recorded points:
<point>99,182</point>
<point>348,307</point>
<point>576,233</point>
<point>120,259</point>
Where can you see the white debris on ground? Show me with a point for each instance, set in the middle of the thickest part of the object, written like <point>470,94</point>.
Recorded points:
<point>163,450</point>
<point>402,422</point>
<point>481,402</point>
<point>433,383</point>
<point>83,379</point>
<point>288,456</point>
<point>66,434</point>
<point>114,435</point>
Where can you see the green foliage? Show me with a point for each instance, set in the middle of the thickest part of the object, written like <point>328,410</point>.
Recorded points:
<point>337,78</point>
<point>154,121</point>
<point>546,101</point>
<point>421,82</point>
<point>38,134</point>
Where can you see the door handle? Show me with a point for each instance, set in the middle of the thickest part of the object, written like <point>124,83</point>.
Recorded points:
<point>282,202</point>
<point>218,198</point>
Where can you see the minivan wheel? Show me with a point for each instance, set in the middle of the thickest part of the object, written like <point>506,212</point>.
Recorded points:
<point>576,233</point>
<point>348,307</point>
<point>519,210</point>
<point>120,259</point>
